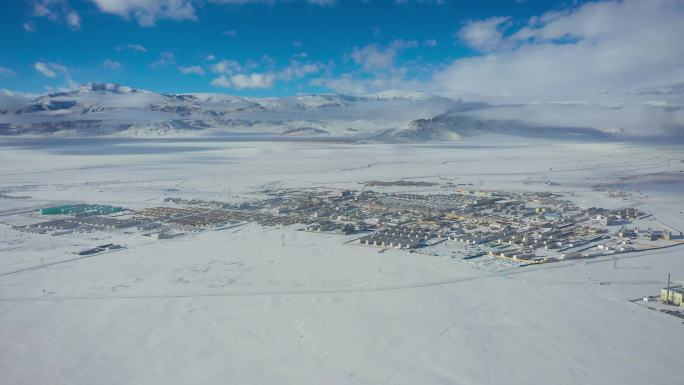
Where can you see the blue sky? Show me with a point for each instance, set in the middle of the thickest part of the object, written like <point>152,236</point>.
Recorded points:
<point>104,46</point>
<point>286,47</point>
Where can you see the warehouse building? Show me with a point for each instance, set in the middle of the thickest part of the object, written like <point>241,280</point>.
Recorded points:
<point>675,295</point>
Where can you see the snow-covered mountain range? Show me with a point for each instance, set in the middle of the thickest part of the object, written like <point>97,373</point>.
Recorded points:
<point>396,116</point>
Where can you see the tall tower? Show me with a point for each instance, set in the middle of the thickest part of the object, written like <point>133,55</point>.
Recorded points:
<point>667,293</point>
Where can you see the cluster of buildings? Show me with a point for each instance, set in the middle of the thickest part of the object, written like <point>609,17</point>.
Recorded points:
<point>670,301</point>
<point>649,234</point>
<point>619,216</point>
<point>100,249</point>
<point>332,226</point>
<point>399,237</point>
<point>399,183</point>
<point>80,210</point>
<point>673,295</point>
<point>522,226</point>
<point>81,221</point>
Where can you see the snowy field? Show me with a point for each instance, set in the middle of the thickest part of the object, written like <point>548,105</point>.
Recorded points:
<point>253,305</point>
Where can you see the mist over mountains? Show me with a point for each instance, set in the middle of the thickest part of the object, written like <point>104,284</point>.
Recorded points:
<point>96,109</point>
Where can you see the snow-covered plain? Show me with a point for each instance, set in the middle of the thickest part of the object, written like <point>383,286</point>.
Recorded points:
<point>253,305</point>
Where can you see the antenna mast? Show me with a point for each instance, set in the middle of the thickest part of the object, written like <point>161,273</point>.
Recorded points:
<point>667,295</point>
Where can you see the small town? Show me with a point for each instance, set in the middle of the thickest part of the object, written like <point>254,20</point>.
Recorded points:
<point>518,228</point>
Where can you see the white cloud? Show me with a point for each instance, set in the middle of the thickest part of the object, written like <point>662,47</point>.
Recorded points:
<point>254,80</point>
<point>210,57</point>
<point>165,58</point>
<point>430,43</point>
<point>322,2</point>
<point>221,81</point>
<point>73,19</point>
<point>437,2</point>
<point>245,75</point>
<point>577,53</point>
<point>608,65</point>
<point>54,71</point>
<point>345,83</point>
<point>41,9</point>
<point>4,71</point>
<point>146,12</point>
<point>29,26</point>
<point>132,47</point>
<point>374,56</point>
<point>635,119</point>
<point>244,2</point>
<point>299,70</point>
<point>191,70</point>
<point>111,65</point>
<point>240,81</point>
<point>483,35</point>
<point>227,67</point>
<point>54,10</point>
<point>350,83</point>
<point>230,32</point>
<point>380,72</point>
<point>45,69</point>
